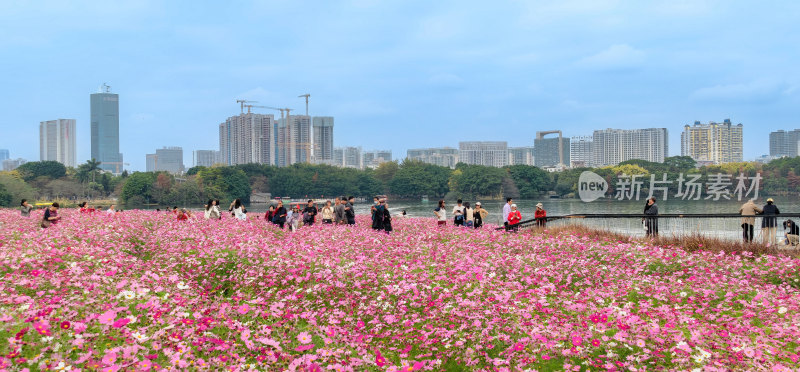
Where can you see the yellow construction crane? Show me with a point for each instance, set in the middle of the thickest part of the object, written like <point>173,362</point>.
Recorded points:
<point>306,96</point>
<point>243,103</point>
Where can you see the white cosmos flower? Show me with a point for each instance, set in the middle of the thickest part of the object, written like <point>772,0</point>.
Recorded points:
<point>182,286</point>
<point>782,310</point>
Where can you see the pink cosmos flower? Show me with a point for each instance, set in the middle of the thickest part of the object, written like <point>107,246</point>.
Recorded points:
<point>65,325</point>
<point>304,337</point>
<point>379,360</point>
<point>121,322</point>
<point>243,309</point>
<point>595,342</point>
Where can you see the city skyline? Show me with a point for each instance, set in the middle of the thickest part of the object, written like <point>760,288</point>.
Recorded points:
<point>455,72</point>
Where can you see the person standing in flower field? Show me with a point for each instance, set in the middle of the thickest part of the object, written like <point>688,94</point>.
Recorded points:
<point>338,211</point>
<point>25,208</point>
<point>350,213</point>
<point>469,218</point>
<point>327,213</point>
<point>293,218</point>
<point>769,223</point>
<point>479,215</point>
<point>507,211</point>
<point>749,208</point>
<point>51,216</point>
<point>378,215</point>
<point>309,213</point>
<point>651,223</point>
<point>280,215</point>
<point>441,214</point>
<point>458,214</point>
<point>514,218</point>
<point>270,215</point>
<point>387,217</point>
<point>540,215</point>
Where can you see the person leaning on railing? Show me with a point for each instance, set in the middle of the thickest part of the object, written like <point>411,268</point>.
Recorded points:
<point>540,215</point>
<point>769,223</point>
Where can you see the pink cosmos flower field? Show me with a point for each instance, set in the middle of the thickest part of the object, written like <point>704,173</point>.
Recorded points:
<point>140,291</point>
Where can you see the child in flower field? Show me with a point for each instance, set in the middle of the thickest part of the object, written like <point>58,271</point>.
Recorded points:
<point>441,214</point>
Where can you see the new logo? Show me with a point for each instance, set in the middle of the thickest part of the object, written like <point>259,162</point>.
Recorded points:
<point>591,186</point>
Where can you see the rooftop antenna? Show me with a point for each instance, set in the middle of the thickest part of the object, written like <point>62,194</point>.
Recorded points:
<point>105,88</point>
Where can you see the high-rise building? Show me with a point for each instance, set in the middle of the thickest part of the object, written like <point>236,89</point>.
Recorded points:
<point>294,140</point>
<point>441,156</point>
<point>520,156</point>
<point>486,153</point>
<point>57,141</point>
<point>323,139</point>
<point>783,143</point>
<point>11,164</point>
<point>4,154</point>
<point>247,138</point>
<point>546,150</point>
<point>104,107</point>
<point>372,159</point>
<point>151,162</point>
<point>712,143</point>
<point>613,146</point>
<point>205,158</point>
<point>580,152</point>
<point>349,157</point>
<point>167,159</point>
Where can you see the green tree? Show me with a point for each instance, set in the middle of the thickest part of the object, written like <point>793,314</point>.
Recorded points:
<point>385,172</point>
<point>477,180</point>
<point>230,182</point>
<point>138,188</point>
<point>415,178</point>
<point>52,169</point>
<point>680,163</point>
<point>14,185</point>
<point>5,197</point>
<point>531,181</point>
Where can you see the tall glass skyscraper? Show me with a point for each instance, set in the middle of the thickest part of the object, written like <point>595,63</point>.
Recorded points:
<point>105,130</point>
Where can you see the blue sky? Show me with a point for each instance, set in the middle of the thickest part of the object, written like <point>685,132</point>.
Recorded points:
<point>400,75</point>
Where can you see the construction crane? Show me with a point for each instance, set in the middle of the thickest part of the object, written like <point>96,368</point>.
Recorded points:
<point>243,103</point>
<point>306,96</point>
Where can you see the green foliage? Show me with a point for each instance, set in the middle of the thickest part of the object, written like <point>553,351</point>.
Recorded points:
<point>139,185</point>
<point>230,182</point>
<point>476,180</point>
<point>531,181</point>
<point>5,197</point>
<point>415,178</point>
<point>49,168</point>
<point>15,186</point>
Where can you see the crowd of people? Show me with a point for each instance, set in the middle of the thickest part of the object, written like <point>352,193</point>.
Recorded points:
<point>341,212</point>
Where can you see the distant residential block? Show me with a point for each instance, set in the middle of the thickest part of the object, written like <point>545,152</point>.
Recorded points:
<point>784,143</point>
<point>613,146</point>
<point>441,156</point>
<point>712,143</point>
<point>57,141</point>
<point>486,153</point>
<point>167,159</point>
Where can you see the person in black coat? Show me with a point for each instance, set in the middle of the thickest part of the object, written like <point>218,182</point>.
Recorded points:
<point>651,223</point>
<point>279,218</point>
<point>387,217</point>
<point>309,213</point>
<point>769,223</point>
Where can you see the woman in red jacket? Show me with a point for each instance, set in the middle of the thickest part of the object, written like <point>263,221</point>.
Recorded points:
<point>514,217</point>
<point>540,215</point>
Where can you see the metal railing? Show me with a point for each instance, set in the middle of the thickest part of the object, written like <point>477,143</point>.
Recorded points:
<point>721,226</point>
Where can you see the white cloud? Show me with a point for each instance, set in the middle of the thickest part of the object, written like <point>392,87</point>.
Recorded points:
<point>615,57</point>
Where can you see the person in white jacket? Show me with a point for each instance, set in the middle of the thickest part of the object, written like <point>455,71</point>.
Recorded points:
<point>238,210</point>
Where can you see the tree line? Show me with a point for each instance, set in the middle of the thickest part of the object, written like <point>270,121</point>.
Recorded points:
<point>49,180</point>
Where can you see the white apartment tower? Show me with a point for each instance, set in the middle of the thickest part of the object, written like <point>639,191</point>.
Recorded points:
<point>712,143</point>
<point>613,146</point>
<point>490,154</point>
<point>580,152</point>
<point>323,139</point>
<point>57,141</point>
<point>247,138</point>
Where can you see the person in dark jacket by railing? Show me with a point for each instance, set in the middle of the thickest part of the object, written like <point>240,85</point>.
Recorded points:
<point>769,223</point>
<point>651,223</point>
